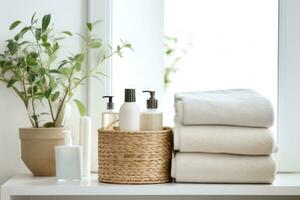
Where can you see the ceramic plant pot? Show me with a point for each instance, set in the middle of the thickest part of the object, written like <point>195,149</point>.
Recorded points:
<point>38,149</point>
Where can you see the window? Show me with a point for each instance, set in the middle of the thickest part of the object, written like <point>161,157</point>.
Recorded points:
<point>227,44</point>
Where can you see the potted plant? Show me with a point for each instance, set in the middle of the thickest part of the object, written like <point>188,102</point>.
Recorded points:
<point>33,67</point>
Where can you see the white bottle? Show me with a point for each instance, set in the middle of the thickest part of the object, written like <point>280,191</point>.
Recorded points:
<point>129,114</point>
<point>68,160</point>
<point>152,119</point>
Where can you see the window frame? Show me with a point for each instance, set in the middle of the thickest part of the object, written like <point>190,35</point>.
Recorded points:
<point>98,10</point>
<point>288,153</point>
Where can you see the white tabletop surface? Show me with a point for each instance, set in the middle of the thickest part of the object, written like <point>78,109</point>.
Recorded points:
<point>285,184</point>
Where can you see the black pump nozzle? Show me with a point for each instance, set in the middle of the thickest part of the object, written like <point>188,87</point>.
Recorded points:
<point>110,104</point>
<point>129,95</point>
<point>152,103</point>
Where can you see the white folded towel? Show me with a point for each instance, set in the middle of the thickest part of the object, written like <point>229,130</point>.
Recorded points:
<point>238,107</point>
<point>222,168</point>
<point>223,139</point>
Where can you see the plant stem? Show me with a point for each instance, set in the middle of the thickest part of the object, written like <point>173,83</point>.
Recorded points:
<point>39,50</point>
<point>39,47</point>
<point>25,101</point>
<point>33,109</point>
<point>64,98</point>
<point>60,107</point>
<point>51,110</point>
<point>31,121</point>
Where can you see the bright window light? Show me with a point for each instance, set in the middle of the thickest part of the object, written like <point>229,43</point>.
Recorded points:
<point>228,44</point>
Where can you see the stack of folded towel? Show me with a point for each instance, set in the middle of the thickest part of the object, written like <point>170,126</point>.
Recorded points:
<point>223,137</point>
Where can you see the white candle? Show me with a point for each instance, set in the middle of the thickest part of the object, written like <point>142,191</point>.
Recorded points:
<point>85,142</point>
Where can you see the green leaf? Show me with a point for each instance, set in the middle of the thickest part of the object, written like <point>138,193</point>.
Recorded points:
<point>45,22</point>
<point>55,71</point>
<point>31,62</point>
<point>80,107</point>
<point>65,71</point>
<point>31,79</point>
<point>67,33</point>
<point>11,83</point>
<point>79,57</point>
<point>169,51</point>
<point>48,93</point>
<point>21,33</point>
<point>127,45</point>
<point>71,59</point>
<point>34,54</point>
<point>102,74</point>
<point>24,42</point>
<point>34,117</point>
<point>49,124</point>
<point>44,113</point>
<point>94,44</point>
<point>55,47</point>
<point>14,25</point>
<point>77,66</point>
<point>38,33</point>
<point>48,49</point>
<point>52,82</point>
<point>59,38</point>
<point>12,47</point>
<point>62,64</point>
<point>32,18</point>
<point>34,89</point>
<point>55,96</point>
<point>46,44</point>
<point>45,38</point>
<point>89,26</point>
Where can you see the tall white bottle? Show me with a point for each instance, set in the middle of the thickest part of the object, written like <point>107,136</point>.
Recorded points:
<point>129,114</point>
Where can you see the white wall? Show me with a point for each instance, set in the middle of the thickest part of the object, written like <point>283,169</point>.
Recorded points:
<point>67,15</point>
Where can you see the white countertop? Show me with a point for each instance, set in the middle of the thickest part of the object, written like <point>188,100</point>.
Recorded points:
<point>285,184</point>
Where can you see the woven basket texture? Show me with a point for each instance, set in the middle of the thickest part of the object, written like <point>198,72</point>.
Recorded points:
<point>135,157</point>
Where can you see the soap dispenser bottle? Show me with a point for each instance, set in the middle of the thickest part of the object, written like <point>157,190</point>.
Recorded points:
<point>110,119</point>
<point>129,112</point>
<point>152,119</point>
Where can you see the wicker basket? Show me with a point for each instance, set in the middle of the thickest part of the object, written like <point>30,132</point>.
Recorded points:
<point>135,157</point>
